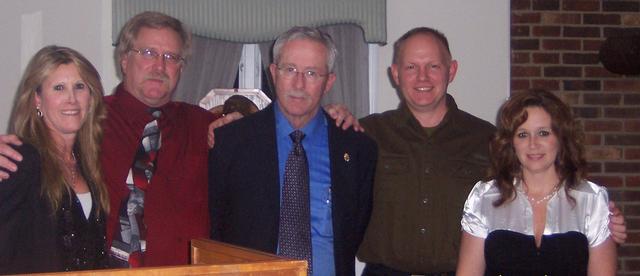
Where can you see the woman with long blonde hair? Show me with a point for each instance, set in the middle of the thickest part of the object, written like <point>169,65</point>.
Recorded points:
<point>53,207</point>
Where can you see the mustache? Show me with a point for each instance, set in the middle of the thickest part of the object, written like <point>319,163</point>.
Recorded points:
<point>296,93</point>
<point>157,76</point>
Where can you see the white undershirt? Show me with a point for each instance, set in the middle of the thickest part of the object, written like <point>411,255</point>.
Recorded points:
<point>85,202</point>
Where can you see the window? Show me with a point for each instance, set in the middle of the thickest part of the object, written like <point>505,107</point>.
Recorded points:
<point>251,72</point>
<point>250,67</point>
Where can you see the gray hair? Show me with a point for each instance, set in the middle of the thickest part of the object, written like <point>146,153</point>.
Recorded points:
<point>154,20</point>
<point>301,32</point>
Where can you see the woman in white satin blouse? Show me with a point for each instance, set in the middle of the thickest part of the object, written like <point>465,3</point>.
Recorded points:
<point>539,215</point>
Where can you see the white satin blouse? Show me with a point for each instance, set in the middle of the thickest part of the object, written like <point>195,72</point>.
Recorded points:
<point>589,216</point>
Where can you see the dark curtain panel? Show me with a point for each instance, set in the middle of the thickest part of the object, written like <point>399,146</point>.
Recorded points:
<point>213,64</point>
<point>352,68</point>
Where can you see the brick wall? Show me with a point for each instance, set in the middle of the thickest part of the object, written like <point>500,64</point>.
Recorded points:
<point>554,46</point>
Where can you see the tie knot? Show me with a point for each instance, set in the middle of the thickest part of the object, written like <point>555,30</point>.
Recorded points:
<point>155,112</point>
<point>297,136</point>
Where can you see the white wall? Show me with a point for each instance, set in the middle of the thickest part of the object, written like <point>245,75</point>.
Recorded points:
<point>28,25</point>
<point>478,34</point>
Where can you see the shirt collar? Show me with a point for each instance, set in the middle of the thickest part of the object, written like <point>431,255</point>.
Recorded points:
<point>407,117</point>
<point>311,129</point>
<point>137,111</point>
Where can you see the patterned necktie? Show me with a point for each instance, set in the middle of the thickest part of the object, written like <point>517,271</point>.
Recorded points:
<point>294,237</point>
<point>131,243</point>
<point>144,164</point>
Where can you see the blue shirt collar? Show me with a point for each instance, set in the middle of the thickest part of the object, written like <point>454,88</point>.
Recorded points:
<point>311,129</point>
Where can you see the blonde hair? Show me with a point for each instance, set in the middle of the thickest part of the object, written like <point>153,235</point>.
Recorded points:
<point>32,129</point>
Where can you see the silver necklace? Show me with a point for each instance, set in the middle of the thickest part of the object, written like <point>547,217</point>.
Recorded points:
<point>544,198</point>
<point>72,167</point>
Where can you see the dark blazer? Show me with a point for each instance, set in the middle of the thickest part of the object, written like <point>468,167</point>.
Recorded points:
<point>24,248</point>
<point>33,238</point>
<point>244,189</point>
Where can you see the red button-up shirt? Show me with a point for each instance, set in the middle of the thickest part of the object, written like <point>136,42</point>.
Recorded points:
<point>175,207</point>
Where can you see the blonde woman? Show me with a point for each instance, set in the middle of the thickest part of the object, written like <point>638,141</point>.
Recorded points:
<point>53,207</point>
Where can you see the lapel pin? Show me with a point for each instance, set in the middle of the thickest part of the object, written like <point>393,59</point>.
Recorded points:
<point>346,157</point>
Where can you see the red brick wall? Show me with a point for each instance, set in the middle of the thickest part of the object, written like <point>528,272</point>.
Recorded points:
<point>554,46</point>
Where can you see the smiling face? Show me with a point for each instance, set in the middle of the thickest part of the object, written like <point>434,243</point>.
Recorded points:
<point>64,99</point>
<point>423,72</point>
<point>299,96</point>
<point>535,143</point>
<point>152,81</point>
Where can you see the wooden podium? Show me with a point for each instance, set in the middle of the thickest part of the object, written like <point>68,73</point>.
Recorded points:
<point>237,260</point>
<point>215,258</point>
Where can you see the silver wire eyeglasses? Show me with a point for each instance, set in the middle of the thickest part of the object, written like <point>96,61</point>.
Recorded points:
<point>290,72</point>
<point>152,54</point>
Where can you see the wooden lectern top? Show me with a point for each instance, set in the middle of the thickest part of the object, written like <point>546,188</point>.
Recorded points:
<point>215,258</point>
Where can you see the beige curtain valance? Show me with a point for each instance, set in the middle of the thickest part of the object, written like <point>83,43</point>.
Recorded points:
<point>254,21</point>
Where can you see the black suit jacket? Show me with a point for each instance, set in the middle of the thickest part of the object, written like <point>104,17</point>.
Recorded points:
<point>244,189</point>
<point>32,239</point>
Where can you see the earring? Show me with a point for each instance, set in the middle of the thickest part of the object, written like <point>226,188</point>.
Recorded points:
<point>38,112</point>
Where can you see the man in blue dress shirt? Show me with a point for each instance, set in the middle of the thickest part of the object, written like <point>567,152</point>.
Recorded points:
<point>247,163</point>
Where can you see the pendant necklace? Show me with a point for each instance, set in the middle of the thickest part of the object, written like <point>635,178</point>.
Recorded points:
<point>73,170</point>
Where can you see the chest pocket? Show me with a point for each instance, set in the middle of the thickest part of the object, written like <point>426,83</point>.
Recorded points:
<point>463,175</point>
<point>472,168</point>
<point>392,172</point>
<point>393,166</point>
<point>468,170</point>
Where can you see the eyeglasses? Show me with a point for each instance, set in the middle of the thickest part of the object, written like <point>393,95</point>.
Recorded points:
<point>291,72</point>
<point>152,54</point>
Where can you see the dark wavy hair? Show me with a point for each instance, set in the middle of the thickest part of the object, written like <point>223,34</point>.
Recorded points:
<point>505,167</point>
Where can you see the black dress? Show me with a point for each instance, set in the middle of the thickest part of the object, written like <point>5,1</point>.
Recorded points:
<point>513,253</point>
<point>35,239</point>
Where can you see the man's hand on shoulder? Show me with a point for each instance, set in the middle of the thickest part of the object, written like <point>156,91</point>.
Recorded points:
<point>8,154</point>
<point>225,119</point>
<point>343,117</point>
<point>617,225</point>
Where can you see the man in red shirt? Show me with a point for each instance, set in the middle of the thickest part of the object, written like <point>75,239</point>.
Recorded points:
<point>151,49</point>
<point>153,226</point>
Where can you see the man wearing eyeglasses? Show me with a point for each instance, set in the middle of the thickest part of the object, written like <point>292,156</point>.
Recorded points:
<point>151,222</point>
<point>158,194</point>
<point>157,186</point>
<point>154,151</point>
<point>252,167</point>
